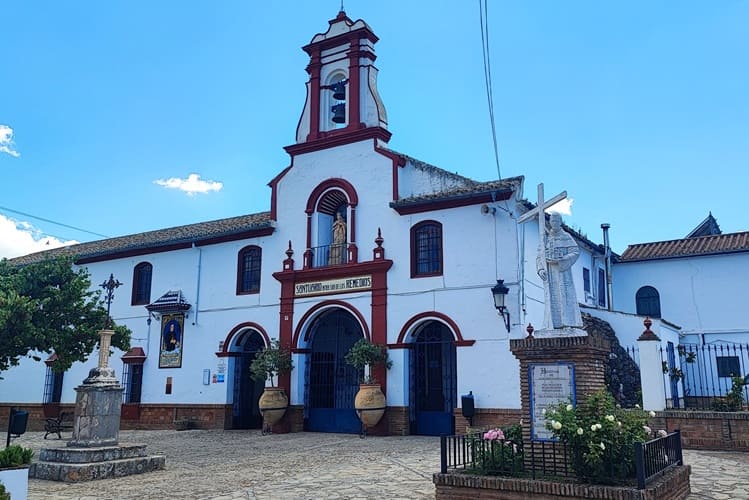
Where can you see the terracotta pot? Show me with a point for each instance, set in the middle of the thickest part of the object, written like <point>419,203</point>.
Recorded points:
<point>273,404</point>
<point>370,404</point>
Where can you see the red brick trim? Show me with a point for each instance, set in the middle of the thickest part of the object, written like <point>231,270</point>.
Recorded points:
<point>225,352</point>
<point>338,139</point>
<point>442,318</point>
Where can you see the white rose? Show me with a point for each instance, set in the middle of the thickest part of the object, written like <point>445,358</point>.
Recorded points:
<point>662,433</point>
<point>652,413</point>
<point>637,406</point>
<point>599,426</point>
<point>543,411</point>
<point>569,407</point>
<point>594,427</point>
<point>647,429</point>
<point>603,446</point>
<point>610,418</point>
<point>556,425</point>
<point>579,431</point>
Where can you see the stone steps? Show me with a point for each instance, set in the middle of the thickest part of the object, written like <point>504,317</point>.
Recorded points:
<point>88,464</point>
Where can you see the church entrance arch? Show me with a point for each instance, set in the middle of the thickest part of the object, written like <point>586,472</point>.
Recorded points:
<point>331,383</point>
<point>246,391</point>
<point>432,379</point>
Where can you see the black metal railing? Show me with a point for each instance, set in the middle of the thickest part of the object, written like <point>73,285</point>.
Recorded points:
<point>482,456</point>
<point>329,255</point>
<point>548,459</point>
<point>657,456</point>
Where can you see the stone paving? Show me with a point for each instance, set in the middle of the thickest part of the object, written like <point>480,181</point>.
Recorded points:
<point>222,465</point>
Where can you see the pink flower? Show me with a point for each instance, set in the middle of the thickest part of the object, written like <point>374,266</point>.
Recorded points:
<point>494,435</point>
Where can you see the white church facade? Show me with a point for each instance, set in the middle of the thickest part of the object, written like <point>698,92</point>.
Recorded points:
<point>359,241</point>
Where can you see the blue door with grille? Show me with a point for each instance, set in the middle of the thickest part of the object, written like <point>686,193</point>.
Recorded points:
<point>433,380</point>
<point>245,409</point>
<point>332,383</point>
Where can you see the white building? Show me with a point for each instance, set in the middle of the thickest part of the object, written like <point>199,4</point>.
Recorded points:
<point>410,264</point>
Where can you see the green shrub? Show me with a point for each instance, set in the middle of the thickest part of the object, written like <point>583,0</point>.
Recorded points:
<point>15,456</point>
<point>601,437</point>
<point>4,495</point>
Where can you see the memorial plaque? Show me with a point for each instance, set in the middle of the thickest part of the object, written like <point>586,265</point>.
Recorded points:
<point>550,384</point>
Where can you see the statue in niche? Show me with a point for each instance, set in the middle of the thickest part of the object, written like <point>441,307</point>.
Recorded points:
<point>338,247</point>
<point>556,255</point>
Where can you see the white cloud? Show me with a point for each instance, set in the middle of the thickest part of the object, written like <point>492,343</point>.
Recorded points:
<point>6,141</point>
<point>20,238</point>
<point>563,207</point>
<point>193,184</point>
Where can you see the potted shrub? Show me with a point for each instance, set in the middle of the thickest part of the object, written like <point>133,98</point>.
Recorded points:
<point>268,364</point>
<point>14,470</point>
<point>370,402</point>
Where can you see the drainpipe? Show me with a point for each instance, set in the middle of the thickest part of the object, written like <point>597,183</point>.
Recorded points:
<point>607,256</point>
<point>197,285</point>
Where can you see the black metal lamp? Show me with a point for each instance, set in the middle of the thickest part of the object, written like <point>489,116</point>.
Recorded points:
<point>500,293</point>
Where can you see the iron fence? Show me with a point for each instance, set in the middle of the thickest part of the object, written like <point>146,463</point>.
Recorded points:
<point>700,376</point>
<point>548,459</point>
<point>657,456</point>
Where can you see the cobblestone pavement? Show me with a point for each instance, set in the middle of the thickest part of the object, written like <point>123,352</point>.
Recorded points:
<point>222,465</point>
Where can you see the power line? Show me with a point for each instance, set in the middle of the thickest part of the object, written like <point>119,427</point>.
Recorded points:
<point>484,21</point>
<point>53,222</point>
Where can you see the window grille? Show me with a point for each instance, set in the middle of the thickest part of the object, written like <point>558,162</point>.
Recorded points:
<point>248,279</point>
<point>426,249</point>
<point>142,284</point>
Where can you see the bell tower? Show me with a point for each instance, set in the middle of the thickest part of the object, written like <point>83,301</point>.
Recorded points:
<point>342,99</point>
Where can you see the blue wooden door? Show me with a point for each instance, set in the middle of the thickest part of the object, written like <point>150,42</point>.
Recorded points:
<point>433,380</point>
<point>332,383</point>
<point>247,392</point>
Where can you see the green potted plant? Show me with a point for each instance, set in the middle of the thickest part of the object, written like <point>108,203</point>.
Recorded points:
<point>14,470</point>
<point>273,361</point>
<point>370,402</point>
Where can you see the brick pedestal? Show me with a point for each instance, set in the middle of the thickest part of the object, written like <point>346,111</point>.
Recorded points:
<point>588,354</point>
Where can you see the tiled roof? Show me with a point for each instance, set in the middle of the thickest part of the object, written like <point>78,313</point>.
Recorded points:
<point>688,247</point>
<point>155,239</point>
<point>474,187</point>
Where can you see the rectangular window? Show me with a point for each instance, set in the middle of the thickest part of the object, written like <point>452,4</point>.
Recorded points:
<point>52,386</point>
<point>586,279</point>
<point>426,249</point>
<point>728,366</point>
<point>132,376</point>
<point>601,287</point>
<point>248,270</point>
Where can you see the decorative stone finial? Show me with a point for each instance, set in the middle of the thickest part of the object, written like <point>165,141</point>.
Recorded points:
<point>378,252</point>
<point>289,252</point>
<point>379,240</point>
<point>530,330</point>
<point>648,334</point>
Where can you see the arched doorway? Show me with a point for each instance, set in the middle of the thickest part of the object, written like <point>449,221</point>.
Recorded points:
<point>332,383</point>
<point>433,380</point>
<point>245,411</point>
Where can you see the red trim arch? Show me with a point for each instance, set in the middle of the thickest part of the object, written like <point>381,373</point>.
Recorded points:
<point>459,340</point>
<point>224,352</point>
<point>339,183</point>
<point>327,305</point>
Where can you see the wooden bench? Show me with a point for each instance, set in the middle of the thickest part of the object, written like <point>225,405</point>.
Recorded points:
<point>63,423</point>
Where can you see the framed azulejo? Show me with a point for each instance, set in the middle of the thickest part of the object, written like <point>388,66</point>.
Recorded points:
<point>172,330</point>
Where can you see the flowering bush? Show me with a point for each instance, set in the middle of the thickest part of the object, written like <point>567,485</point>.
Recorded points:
<point>498,450</point>
<point>601,437</point>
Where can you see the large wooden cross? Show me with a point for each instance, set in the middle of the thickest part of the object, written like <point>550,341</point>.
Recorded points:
<point>539,211</point>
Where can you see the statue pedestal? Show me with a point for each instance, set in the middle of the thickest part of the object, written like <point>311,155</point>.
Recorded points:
<point>553,369</point>
<point>94,451</point>
<point>97,414</point>
<point>567,331</point>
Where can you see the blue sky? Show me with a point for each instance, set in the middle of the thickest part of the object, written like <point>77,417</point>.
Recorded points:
<point>639,109</point>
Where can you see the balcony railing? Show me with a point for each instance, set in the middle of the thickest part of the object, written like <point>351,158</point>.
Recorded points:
<point>329,255</point>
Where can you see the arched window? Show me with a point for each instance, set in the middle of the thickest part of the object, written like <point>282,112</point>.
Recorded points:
<point>248,270</point>
<point>648,302</point>
<point>426,249</point>
<point>142,284</point>
<point>332,104</point>
<point>331,224</point>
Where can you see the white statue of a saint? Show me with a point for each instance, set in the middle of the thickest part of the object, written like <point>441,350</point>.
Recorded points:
<point>338,248</point>
<point>557,253</point>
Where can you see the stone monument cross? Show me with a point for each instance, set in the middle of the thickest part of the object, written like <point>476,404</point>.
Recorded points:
<point>539,211</point>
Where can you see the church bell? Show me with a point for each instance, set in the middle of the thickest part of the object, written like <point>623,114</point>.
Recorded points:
<point>339,112</point>
<point>339,90</point>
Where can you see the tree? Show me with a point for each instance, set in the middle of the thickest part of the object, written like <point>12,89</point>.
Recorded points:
<point>49,306</point>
